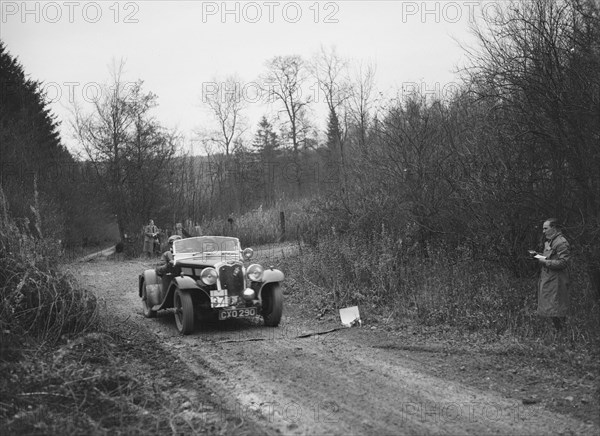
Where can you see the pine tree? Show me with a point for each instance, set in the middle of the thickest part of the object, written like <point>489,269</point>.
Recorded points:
<point>33,159</point>
<point>266,141</point>
<point>28,132</point>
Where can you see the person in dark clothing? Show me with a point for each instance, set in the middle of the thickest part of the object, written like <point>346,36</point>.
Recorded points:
<point>150,234</point>
<point>553,292</point>
<point>167,257</point>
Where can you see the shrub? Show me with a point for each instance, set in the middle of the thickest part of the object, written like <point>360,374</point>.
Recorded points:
<point>38,302</point>
<point>447,285</point>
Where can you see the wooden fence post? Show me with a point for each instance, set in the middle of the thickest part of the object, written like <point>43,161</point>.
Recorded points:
<point>282,225</point>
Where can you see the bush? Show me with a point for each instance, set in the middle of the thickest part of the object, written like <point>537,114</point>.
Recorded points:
<point>445,285</point>
<point>38,302</point>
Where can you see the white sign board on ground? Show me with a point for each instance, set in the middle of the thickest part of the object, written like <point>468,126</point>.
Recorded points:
<point>350,316</point>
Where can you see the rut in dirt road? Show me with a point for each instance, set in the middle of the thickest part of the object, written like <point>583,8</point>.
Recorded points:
<point>335,383</point>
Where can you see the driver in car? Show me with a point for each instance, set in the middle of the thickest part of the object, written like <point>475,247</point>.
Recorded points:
<point>167,257</point>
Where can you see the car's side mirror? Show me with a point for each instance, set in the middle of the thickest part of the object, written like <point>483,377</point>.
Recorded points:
<point>247,253</point>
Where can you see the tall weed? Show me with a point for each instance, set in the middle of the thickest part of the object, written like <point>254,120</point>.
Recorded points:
<point>263,226</point>
<point>440,285</point>
<point>38,302</point>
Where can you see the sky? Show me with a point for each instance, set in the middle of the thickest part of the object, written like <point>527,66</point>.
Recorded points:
<point>178,47</point>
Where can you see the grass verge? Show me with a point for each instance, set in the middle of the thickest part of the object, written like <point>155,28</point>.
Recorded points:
<point>106,383</point>
<point>459,318</point>
<point>530,365</point>
<point>445,288</point>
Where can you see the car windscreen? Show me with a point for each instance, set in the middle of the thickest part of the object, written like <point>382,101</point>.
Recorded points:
<point>206,245</point>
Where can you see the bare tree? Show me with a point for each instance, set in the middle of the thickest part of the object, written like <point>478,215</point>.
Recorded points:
<point>284,82</point>
<point>537,69</point>
<point>331,73</point>
<point>128,149</point>
<point>224,99</point>
<point>360,99</point>
<point>540,64</point>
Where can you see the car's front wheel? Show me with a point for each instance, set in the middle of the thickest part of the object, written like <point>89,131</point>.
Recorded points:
<point>272,305</point>
<point>146,306</point>
<point>184,312</point>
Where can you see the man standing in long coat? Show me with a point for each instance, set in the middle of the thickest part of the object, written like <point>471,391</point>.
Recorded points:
<point>553,292</point>
<point>150,232</point>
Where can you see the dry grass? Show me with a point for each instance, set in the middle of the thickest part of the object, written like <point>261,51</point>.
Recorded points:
<point>104,383</point>
<point>446,287</point>
<point>39,304</point>
<point>263,226</point>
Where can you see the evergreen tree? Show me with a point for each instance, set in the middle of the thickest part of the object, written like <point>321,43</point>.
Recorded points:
<point>334,135</point>
<point>29,138</point>
<point>41,180</point>
<point>33,157</point>
<point>266,141</point>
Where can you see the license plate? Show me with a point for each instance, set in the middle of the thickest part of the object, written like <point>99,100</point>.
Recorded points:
<point>237,313</point>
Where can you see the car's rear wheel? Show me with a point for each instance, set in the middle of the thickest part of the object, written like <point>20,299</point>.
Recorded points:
<point>272,303</point>
<point>148,312</point>
<point>184,312</point>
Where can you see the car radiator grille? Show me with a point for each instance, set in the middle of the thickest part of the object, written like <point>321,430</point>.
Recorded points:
<point>232,278</point>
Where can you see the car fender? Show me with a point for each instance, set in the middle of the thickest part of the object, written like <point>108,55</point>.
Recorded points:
<point>185,284</point>
<point>270,277</point>
<point>149,277</point>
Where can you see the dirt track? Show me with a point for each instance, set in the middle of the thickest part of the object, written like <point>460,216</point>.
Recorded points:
<point>343,382</point>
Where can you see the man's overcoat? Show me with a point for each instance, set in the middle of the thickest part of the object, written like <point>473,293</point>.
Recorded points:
<point>553,293</point>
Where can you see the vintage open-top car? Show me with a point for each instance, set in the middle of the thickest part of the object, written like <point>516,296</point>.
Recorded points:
<point>208,276</point>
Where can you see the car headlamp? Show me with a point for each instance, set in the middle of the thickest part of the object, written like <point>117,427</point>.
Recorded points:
<point>208,276</point>
<point>255,272</point>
